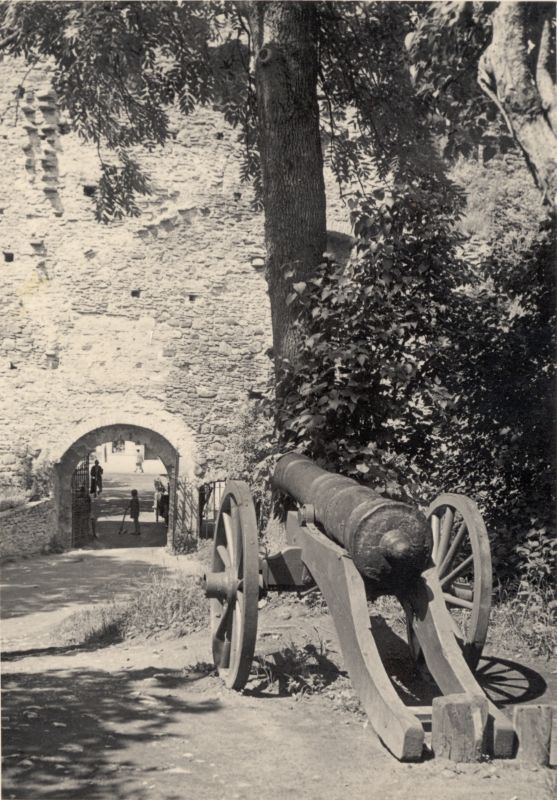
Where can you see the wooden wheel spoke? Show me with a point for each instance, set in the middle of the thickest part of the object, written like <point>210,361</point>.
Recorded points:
<point>238,628</point>
<point>445,534</point>
<point>451,600</point>
<point>435,529</point>
<point>229,531</point>
<point>445,565</point>
<point>224,557</point>
<point>237,538</point>
<point>221,637</point>
<point>462,567</point>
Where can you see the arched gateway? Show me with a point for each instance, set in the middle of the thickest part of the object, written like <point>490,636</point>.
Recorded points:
<point>169,439</point>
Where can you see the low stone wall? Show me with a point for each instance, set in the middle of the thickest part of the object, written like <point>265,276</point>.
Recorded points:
<point>27,530</point>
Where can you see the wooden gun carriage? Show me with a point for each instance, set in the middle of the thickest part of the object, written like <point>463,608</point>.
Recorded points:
<point>357,545</point>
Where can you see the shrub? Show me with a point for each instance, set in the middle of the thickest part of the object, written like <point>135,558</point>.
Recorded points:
<point>251,454</point>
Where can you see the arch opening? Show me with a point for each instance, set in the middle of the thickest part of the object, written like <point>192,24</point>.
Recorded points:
<point>144,439</point>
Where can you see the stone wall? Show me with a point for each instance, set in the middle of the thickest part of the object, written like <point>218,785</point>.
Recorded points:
<point>165,315</point>
<point>27,530</point>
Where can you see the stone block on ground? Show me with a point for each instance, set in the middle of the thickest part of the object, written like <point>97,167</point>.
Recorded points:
<point>533,725</point>
<point>458,725</point>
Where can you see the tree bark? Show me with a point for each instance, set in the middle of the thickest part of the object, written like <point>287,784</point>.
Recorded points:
<point>525,92</point>
<point>284,43</point>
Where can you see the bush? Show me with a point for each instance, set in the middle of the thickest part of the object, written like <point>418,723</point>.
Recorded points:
<point>36,474</point>
<point>251,454</point>
<point>427,365</point>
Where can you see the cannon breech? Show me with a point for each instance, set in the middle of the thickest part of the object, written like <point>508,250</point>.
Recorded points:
<point>390,542</point>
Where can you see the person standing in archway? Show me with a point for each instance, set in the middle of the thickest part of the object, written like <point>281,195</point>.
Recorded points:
<point>94,513</point>
<point>133,508</point>
<point>139,461</point>
<point>96,478</point>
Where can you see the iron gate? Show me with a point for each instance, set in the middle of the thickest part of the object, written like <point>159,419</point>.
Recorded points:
<point>210,496</point>
<point>195,512</point>
<point>80,503</point>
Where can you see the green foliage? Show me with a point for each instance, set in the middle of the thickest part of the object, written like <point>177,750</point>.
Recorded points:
<point>36,474</point>
<point>525,620</point>
<point>499,441</point>
<point>118,67</point>
<point>251,452</point>
<point>444,47</point>
<point>441,377</point>
<point>295,670</point>
<point>368,386</point>
<point>425,364</point>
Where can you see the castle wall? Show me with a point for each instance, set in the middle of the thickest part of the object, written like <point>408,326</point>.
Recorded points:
<point>27,530</point>
<point>162,315</point>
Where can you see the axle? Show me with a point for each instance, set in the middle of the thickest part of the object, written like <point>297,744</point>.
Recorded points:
<point>389,541</point>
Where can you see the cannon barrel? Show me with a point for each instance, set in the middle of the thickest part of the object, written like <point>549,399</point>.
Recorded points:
<point>390,542</point>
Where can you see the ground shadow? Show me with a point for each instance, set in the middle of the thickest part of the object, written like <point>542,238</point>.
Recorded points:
<point>112,503</point>
<point>413,684</point>
<point>60,727</point>
<point>507,683</point>
<point>12,656</point>
<point>52,583</point>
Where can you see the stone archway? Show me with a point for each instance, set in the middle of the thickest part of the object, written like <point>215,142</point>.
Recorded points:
<point>177,453</point>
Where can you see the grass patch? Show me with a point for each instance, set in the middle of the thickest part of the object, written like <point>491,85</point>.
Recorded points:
<point>295,670</point>
<point>171,603</point>
<point>525,622</point>
<point>95,626</point>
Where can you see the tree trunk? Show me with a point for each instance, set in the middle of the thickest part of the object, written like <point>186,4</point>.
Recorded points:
<point>518,78</point>
<point>284,43</point>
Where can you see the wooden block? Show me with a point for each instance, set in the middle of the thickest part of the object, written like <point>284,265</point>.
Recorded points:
<point>533,729</point>
<point>458,726</point>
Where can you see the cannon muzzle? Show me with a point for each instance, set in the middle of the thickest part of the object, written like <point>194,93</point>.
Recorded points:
<point>389,541</point>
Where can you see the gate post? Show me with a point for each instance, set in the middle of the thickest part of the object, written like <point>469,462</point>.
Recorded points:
<point>172,501</point>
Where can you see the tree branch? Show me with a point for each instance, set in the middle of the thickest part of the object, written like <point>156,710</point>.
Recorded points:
<point>7,40</point>
<point>544,79</point>
<point>505,76</point>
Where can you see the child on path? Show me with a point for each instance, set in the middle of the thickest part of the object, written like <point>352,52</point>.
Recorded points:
<point>139,461</point>
<point>133,508</point>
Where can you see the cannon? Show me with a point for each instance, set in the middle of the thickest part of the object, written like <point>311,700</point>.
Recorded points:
<point>356,545</point>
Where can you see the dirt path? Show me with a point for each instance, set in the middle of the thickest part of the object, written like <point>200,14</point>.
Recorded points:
<point>148,720</point>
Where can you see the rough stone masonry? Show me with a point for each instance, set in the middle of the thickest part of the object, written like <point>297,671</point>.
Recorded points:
<point>165,315</point>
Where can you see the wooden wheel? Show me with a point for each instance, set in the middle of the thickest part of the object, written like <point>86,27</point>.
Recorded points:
<point>462,556</point>
<point>233,585</point>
